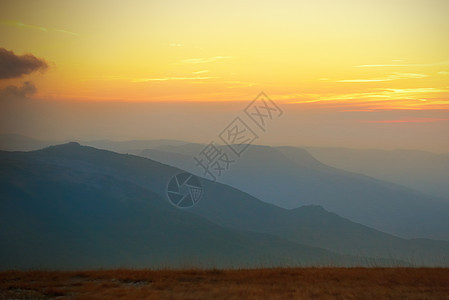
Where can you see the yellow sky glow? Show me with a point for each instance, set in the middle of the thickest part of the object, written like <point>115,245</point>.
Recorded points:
<point>379,54</point>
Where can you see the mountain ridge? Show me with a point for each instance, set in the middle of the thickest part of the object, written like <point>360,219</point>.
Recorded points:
<point>230,208</point>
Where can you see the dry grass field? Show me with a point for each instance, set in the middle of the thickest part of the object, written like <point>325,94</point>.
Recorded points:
<point>295,283</point>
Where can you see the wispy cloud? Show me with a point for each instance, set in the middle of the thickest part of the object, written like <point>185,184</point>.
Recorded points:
<point>386,65</point>
<point>391,77</point>
<point>204,60</point>
<point>418,90</point>
<point>133,79</point>
<point>377,99</point>
<point>416,120</point>
<point>201,72</point>
<point>176,45</point>
<point>18,24</point>
<point>171,78</point>
<point>358,110</point>
<point>363,80</point>
<point>410,94</point>
<point>404,65</point>
<point>65,31</point>
<point>443,73</point>
<point>238,84</point>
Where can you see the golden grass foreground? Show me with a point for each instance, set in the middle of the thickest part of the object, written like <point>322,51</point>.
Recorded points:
<point>277,283</point>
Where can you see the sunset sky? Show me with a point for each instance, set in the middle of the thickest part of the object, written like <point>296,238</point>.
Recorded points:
<point>371,73</point>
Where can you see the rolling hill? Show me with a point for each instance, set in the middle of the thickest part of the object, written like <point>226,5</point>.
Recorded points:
<point>73,205</point>
<point>55,217</point>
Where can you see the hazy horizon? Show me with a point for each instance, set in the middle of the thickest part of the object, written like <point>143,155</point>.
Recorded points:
<point>204,142</point>
<point>200,122</point>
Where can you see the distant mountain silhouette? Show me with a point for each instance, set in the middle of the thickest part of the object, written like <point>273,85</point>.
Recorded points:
<point>15,142</point>
<point>290,177</point>
<point>131,146</point>
<point>421,170</point>
<point>74,206</point>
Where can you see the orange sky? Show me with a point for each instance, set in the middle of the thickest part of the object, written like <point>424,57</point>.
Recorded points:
<point>347,55</point>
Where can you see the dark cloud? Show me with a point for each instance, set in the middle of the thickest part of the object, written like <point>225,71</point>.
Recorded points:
<point>12,91</point>
<point>12,65</point>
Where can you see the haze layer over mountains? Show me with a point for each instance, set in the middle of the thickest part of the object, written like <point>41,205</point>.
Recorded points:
<point>72,206</point>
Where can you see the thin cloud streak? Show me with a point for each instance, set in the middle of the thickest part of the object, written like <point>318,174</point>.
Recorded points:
<point>18,24</point>
<point>393,94</point>
<point>404,65</point>
<point>391,77</point>
<point>201,72</point>
<point>176,45</point>
<point>204,60</point>
<point>378,99</point>
<point>239,84</point>
<point>171,78</point>
<point>417,120</point>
